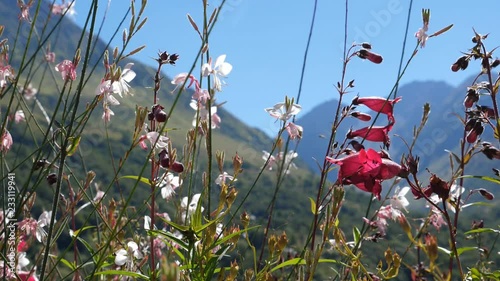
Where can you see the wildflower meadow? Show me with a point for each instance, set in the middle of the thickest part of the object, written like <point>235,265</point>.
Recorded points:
<point>112,170</point>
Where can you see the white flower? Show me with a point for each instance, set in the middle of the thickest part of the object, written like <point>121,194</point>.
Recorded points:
<point>399,200</point>
<point>221,179</point>
<point>127,256</point>
<point>220,69</point>
<point>168,184</point>
<point>281,111</point>
<point>160,142</point>
<point>203,114</point>
<point>121,86</point>
<point>43,221</point>
<point>192,205</point>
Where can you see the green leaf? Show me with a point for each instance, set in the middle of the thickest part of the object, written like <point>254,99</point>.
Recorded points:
<point>141,179</point>
<point>490,179</point>
<point>78,231</point>
<point>299,261</point>
<point>482,230</point>
<point>123,273</point>
<point>66,262</point>
<point>313,206</point>
<point>356,234</point>
<point>465,249</point>
<point>71,149</point>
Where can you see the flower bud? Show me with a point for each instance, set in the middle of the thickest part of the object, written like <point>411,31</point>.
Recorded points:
<point>245,219</point>
<point>366,45</point>
<point>490,151</point>
<point>164,159</point>
<point>177,167</point>
<point>52,178</point>
<point>486,194</point>
<point>471,98</point>
<point>361,116</point>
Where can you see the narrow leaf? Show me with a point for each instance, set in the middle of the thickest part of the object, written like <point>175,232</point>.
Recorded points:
<point>313,206</point>
<point>441,31</point>
<point>71,149</point>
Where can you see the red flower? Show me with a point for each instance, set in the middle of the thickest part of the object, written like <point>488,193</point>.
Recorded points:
<point>373,133</point>
<point>366,169</point>
<point>378,104</point>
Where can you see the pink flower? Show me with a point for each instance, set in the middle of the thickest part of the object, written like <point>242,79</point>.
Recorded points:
<point>29,92</point>
<point>378,104</point>
<point>67,70</point>
<point>366,169</point>
<point>373,133</point>
<point>25,12</point>
<point>5,72</point>
<point>181,78</point>
<point>6,141</point>
<point>295,131</point>
<point>201,95</point>
<point>19,116</point>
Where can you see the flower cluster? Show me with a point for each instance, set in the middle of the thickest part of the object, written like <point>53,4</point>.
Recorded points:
<point>366,169</point>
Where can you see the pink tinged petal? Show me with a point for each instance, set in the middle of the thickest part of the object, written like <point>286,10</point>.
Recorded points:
<point>6,141</point>
<point>295,131</point>
<point>19,116</point>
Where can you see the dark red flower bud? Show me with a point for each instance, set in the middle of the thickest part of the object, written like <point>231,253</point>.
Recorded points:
<point>471,98</point>
<point>462,63</point>
<point>356,145</point>
<point>490,151</point>
<point>366,45</point>
<point>470,124</point>
<point>52,178</point>
<point>177,167</point>
<point>40,164</point>
<point>164,159</point>
<point>486,194</point>
<point>486,110</point>
<point>361,116</point>
<point>161,116</point>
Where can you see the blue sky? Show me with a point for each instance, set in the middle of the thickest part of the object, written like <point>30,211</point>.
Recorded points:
<point>265,43</point>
